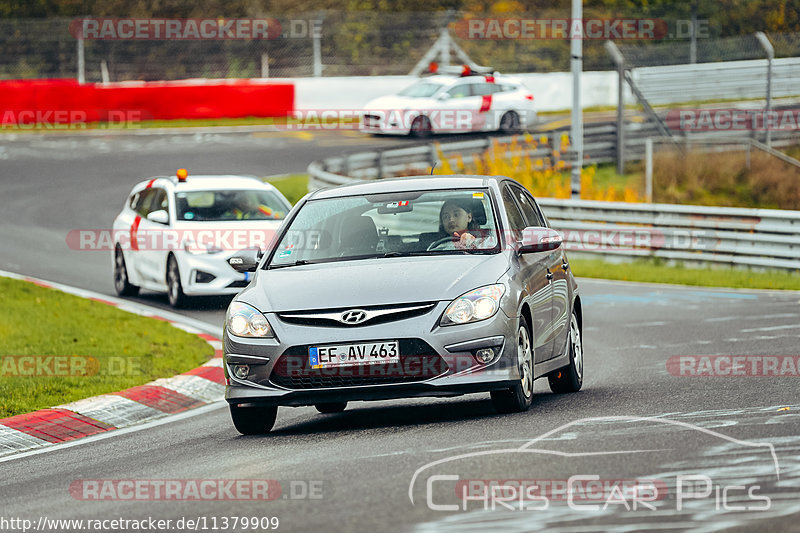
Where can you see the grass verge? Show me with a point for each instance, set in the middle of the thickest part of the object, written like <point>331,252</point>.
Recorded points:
<point>292,186</point>
<point>56,348</point>
<point>655,271</point>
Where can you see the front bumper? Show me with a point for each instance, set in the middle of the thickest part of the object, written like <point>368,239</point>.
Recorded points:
<point>194,268</point>
<point>453,347</point>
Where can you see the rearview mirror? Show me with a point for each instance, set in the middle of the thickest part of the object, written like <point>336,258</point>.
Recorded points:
<point>539,240</point>
<point>245,260</point>
<point>160,216</point>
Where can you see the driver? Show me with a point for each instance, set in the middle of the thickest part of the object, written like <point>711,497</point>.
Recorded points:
<point>248,207</point>
<point>455,221</point>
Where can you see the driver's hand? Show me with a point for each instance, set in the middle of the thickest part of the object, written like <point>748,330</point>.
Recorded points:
<point>465,240</point>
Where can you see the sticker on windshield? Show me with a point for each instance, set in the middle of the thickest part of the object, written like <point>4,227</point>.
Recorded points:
<point>285,253</point>
<point>395,205</point>
<point>188,215</point>
<point>477,195</point>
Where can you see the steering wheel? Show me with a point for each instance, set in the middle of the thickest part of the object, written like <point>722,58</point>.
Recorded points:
<point>438,242</point>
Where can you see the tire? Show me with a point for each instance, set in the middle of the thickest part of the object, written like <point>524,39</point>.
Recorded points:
<point>421,128</point>
<point>331,407</point>
<point>253,420</point>
<point>509,123</point>
<point>122,284</point>
<point>570,378</point>
<point>520,396</point>
<point>175,293</point>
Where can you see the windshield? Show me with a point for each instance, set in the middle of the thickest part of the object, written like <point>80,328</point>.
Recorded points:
<point>229,205</point>
<point>421,89</point>
<point>389,225</point>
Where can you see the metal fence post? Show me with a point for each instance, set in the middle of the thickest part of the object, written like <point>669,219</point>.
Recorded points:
<point>104,72</point>
<point>619,59</point>
<point>762,38</point>
<point>265,65</point>
<point>317,48</point>
<point>81,61</point>
<point>648,169</point>
<point>576,60</point>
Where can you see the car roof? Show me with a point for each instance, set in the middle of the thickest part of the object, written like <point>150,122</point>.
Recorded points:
<point>408,184</point>
<point>206,182</point>
<point>452,79</point>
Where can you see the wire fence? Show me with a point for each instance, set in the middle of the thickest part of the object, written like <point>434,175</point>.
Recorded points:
<point>346,44</point>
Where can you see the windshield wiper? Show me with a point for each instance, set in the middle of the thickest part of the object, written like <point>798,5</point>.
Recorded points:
<point>299,262</point>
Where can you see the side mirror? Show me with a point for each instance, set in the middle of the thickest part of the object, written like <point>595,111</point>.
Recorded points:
<point>245,260</point>
<point>160,216</point>
<point>539,240</point>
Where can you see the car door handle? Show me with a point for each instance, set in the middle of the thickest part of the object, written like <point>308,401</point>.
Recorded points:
<point>549,275</point>
<point>564,266</point>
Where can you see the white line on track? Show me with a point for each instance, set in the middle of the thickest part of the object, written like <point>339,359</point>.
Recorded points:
<point>118,432</point>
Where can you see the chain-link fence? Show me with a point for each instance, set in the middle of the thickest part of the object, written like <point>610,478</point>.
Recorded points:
<point>708,50</point>
<point>344,44</point>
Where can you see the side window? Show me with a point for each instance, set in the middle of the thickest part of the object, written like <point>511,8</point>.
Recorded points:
<point>515,217</point>
<point>459,91</point>
<point>481,89</point>
<point>532,214</point>
<point>145,198</point>
<point>160,200</point>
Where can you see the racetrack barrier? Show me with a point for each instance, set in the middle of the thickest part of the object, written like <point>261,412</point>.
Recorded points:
<point>65,101</point>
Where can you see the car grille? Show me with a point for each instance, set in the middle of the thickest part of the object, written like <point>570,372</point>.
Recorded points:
<point>330,318</point>
<point>418,362</point>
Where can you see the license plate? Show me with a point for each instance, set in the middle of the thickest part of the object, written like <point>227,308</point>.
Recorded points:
<point>366,353</point>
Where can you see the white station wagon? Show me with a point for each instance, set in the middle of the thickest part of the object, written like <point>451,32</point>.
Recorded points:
<point>452,104</point>
<point>176,234</point>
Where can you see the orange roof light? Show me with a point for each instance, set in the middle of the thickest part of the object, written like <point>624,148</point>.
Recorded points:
<point>466,71</point>
<point>182,174</point>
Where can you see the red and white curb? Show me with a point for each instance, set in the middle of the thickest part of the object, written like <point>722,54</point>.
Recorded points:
<point>157,399</point>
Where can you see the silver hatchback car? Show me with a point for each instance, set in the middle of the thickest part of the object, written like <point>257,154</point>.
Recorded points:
<point>399,288</point>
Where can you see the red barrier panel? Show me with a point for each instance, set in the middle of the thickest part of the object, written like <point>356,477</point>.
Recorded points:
<point>61,101</point>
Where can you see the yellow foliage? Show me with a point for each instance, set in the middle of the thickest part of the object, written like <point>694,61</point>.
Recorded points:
<point>544,177</point>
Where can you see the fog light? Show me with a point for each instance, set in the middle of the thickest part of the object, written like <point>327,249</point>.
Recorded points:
<point>204,277</point>
<point>241,371</point>
<point>484,355</point>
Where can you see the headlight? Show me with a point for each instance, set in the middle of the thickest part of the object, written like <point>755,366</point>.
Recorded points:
<point>243,320</point>
<point>474,306</point>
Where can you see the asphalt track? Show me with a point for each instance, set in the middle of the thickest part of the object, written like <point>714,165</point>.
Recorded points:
<point>375,466</point>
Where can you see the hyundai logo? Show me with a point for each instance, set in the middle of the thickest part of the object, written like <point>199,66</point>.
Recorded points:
<point>354,316</point>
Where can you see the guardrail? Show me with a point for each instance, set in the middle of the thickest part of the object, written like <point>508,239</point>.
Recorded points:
<point>761,238</point>
<point>756,238</point>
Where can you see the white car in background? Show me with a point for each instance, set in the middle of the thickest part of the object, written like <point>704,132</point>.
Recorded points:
<point>452,104</point>
<point>176,234</point>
